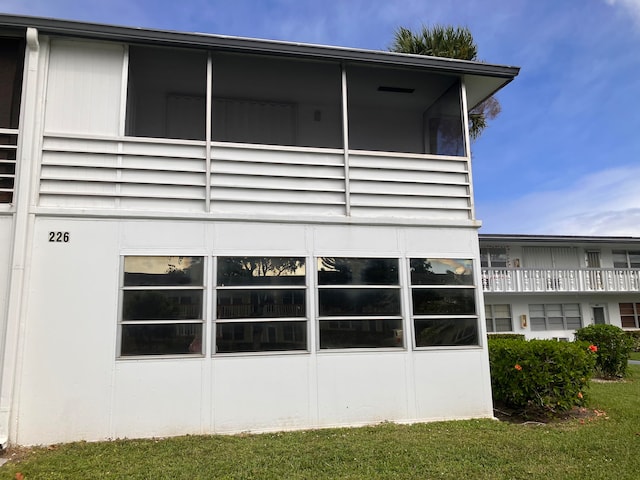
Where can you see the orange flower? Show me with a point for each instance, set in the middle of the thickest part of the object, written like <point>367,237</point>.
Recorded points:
<point>593,348</point>
<point>518,367</point>
<point>580,395</point>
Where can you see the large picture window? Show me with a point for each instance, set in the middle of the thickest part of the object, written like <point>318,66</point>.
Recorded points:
<point>443,302</point>
<point>555,316</point>
<point>359,303</point>
<point>261,304</point>
<point>162,306</point>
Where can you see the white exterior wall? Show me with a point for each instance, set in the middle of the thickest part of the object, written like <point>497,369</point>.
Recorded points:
<point>6,239</point>
<point>117,195</point>
<point>72,386</point>
<point>520,306</point>
<point>604,287</point>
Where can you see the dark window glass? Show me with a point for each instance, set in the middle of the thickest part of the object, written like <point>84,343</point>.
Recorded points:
<point>261,303</point>
<point>161,339</point>
<point>11,67</point>
<point>358,301</point>
<point>437,301</point>
<point>162,304</point>
<point>295,102</point>
<point>260,336</point>
<point>163,271</point>
<point>620,259</point>
<point>629,314</point>
<point>6,182</point>
<point>251,271</point>
<point>361,333</point>
<point>495,257</point>
<point>166,95</point>
<point>441,271</point>
<point>435,332</point>
<point>400,110</point>
<point>634,259</point>
<point>357,271</point>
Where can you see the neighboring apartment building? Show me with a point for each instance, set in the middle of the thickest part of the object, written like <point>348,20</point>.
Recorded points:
<point>212,234</point>
<point>549,286</point>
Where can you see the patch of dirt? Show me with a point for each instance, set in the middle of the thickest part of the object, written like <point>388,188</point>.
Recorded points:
<point>583,414</point>
<point>15,454</point>
<point>608,380</point>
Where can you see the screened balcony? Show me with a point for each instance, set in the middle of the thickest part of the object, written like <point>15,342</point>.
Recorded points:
<point>236,133</point>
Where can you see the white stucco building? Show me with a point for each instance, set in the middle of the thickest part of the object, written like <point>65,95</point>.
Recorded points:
<point>207,234</point>
<point>546,286</point>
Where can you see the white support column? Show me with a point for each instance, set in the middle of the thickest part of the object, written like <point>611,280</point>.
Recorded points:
<point>467,145</point>
<point>124,84</point>
<point>208,123</point>
<point>345,143</point>
<point>27,154</point>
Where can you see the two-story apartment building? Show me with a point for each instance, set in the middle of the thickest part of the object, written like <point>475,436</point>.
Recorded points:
<point>549,286</point>
<point>212,234</point>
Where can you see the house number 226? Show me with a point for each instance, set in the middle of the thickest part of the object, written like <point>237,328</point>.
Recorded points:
<point>60,237</point>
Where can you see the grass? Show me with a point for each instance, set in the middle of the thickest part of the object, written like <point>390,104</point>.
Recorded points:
<point>634,356</point>
<point>603,446</point>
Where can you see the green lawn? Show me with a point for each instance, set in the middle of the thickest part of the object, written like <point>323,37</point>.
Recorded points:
<point>605,447</point>
<point>635,356</point>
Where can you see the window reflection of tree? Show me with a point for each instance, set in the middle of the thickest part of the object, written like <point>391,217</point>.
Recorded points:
<point>455,272</point>
<point>428,275</point>
<point>359,287</point>
<point>260,270</point>
<point>357,271</point>
<point>271,288</point>
<point>158,301</point>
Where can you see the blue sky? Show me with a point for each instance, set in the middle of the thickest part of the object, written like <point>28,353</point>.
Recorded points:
<point>562,158</point>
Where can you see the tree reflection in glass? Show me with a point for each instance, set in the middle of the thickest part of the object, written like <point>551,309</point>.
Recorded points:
<point>248,271</point>
<point>441,271</point>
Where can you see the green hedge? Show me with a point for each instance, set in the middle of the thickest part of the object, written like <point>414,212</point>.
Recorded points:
<point>635,339</point>
<point>614,346</point>
<point>540,376</point>
<point>506,336</point>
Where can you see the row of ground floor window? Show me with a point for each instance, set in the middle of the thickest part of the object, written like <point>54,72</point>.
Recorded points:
<point>265,303</point>
<point>553,316</point>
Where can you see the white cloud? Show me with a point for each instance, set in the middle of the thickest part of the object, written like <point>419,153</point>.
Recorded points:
<point>631,6</point>
<point>601,203</point>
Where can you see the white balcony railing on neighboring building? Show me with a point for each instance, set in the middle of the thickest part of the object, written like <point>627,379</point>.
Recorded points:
<point>516,280</point>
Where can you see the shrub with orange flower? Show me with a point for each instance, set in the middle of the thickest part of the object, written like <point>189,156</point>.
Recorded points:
<point>580,395</point>
<point>593,348</point>
<point>517,367</point>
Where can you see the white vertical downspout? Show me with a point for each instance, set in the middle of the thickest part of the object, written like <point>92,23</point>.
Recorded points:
<point>22,230</point>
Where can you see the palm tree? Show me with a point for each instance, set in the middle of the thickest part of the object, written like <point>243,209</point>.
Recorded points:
<point>450,42</point>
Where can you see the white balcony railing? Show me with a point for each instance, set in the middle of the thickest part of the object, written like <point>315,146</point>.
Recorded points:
<point>148,174</point>
<point>516,280</point>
